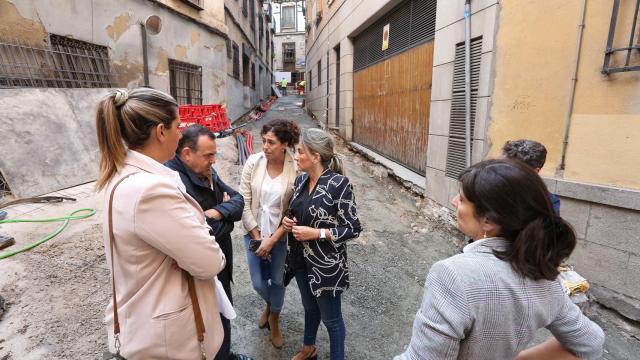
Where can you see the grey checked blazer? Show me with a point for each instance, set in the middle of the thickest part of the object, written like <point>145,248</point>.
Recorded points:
<point>476,306</point>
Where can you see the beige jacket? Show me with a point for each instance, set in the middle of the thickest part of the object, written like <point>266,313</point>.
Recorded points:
<point>156,225</point>
<point>253,173</point>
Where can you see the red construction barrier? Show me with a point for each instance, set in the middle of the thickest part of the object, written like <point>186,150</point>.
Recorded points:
<point>213,117</point>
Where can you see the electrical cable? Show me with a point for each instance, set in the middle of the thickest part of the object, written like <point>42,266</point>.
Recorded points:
<point>66,219</point>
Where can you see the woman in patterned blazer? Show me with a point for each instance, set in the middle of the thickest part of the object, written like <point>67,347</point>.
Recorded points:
<point>489,301</point>
<point>322,218</point>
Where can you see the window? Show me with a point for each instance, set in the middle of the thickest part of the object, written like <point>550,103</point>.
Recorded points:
<point>66,63</point>
<point>319,73</point>
<point>260,26</point>
<point>626,52</point>
<point>253,75</point>
<point>289,52</point>
<point>236,61</point>
<point>194,3</point>
<point>310,80</point>
<point>229,49</point>
<point>288,17</point>
<point>252,11</point>
<point>245,7</point>
<point>185,82</point>
<point>456,150</point>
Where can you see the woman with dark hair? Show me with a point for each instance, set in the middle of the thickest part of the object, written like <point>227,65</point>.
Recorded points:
<point>323,218</point>
<point>489,301</point>
<point>267,185</point>
<point>153,229</point>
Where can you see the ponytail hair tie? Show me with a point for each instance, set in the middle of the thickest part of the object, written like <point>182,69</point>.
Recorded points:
<point>120,97</point>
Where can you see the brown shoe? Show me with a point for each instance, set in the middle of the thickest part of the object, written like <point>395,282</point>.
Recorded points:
<point>274,326</point>
<point>263,321</point>
<point>307,352</point>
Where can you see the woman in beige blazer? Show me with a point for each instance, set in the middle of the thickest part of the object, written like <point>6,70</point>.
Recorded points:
<point>267,185</point>
<point>159,232</point>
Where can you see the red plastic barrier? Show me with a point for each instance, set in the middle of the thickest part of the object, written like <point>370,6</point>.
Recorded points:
<point>213,117</point>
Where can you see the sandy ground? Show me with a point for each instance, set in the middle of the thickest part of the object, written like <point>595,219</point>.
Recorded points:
<point>57,293</point>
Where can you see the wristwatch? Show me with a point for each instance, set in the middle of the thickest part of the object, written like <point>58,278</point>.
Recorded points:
<point>323,236</point>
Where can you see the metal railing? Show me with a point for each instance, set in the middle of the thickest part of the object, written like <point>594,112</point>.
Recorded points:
<point>67,63</point>
<point>607,68</point>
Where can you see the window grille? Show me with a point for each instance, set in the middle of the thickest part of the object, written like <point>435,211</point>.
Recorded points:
<point>319,73</point>
<point>260,27</point>
<point>288,16</point>
<point>229,49</point>
<point>456,150</point>
<point>289,52</point>
<point>411,23</point>
<point>185,82</point>
<point>65,63</point>
<point>633,44</point>
<point>245,7</point>
<point>236,61</point>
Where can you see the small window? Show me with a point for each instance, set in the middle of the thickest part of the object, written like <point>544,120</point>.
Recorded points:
<point>252,11</point>
<point>288,17</point>
<point>185,82</point>
<point>319,73</point>
<point>253,75</point>
<point>229,49</point>
<point>245,7</point>
<point>289,52</point>
<point>236,61</point>
<point>195,3</point>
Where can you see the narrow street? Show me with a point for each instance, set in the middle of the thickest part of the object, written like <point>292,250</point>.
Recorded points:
<point>57,293</point>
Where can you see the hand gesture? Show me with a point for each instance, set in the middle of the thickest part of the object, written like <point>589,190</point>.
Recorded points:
<point>265,247</point>
<point>288,223</point>
<point>305,233</point>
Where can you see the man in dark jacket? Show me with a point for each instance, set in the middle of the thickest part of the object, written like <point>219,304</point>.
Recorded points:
<point>222,205</point>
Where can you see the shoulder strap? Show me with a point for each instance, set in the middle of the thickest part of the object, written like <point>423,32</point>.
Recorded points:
<point>200,330</point>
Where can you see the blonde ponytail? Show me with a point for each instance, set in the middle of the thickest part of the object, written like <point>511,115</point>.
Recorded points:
<point>124,120</point>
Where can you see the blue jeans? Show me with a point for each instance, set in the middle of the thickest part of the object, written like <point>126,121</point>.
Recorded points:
<point>326,308</point>
<point>271,291</point>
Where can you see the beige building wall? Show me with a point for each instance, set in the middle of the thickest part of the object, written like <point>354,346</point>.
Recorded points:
<point>533,84</point>
<point>535,54</point>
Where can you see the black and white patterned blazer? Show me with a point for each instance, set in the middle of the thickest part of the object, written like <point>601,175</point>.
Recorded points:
<point>332,206</point>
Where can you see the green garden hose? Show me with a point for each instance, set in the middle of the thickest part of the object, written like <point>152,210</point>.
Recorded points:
<point>66,219</point>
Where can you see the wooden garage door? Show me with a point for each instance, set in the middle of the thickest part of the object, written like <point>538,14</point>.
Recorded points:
<point>391,103</point>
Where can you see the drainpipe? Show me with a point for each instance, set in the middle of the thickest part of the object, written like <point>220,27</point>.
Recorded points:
<point>467,81</point>
<point>572,93</point>
<point>145,58</point>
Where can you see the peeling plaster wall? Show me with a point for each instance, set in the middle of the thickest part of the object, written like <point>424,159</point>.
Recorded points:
<point>115,24</point>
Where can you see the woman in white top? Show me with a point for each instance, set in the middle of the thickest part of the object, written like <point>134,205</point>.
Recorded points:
<point>267,185</point>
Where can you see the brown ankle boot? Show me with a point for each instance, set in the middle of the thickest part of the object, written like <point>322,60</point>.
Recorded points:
<point>274,326</point>
<point>263,321</point>
<point>307,352</point>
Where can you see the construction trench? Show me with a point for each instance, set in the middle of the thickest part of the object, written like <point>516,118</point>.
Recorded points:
<point>55,294</point>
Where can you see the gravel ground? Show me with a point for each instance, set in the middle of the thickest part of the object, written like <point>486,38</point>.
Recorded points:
<point>57,293</point>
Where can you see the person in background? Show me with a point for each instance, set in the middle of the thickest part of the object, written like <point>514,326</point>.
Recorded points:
<point>267,185</point>
<point>283,86</point>
<point>489,301</point>
<point>158,230</point>
<point>323,218</point>
<point>222,205</point>
<point>533,154</point>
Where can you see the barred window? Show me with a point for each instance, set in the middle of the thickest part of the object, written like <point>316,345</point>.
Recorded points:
<point>245,7</point>
<point>253,75</point>
<point>252,11</point>
<point>229,49</point>
<point>185,81</point>
<point>66,63</point>
<point>236,61</point>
